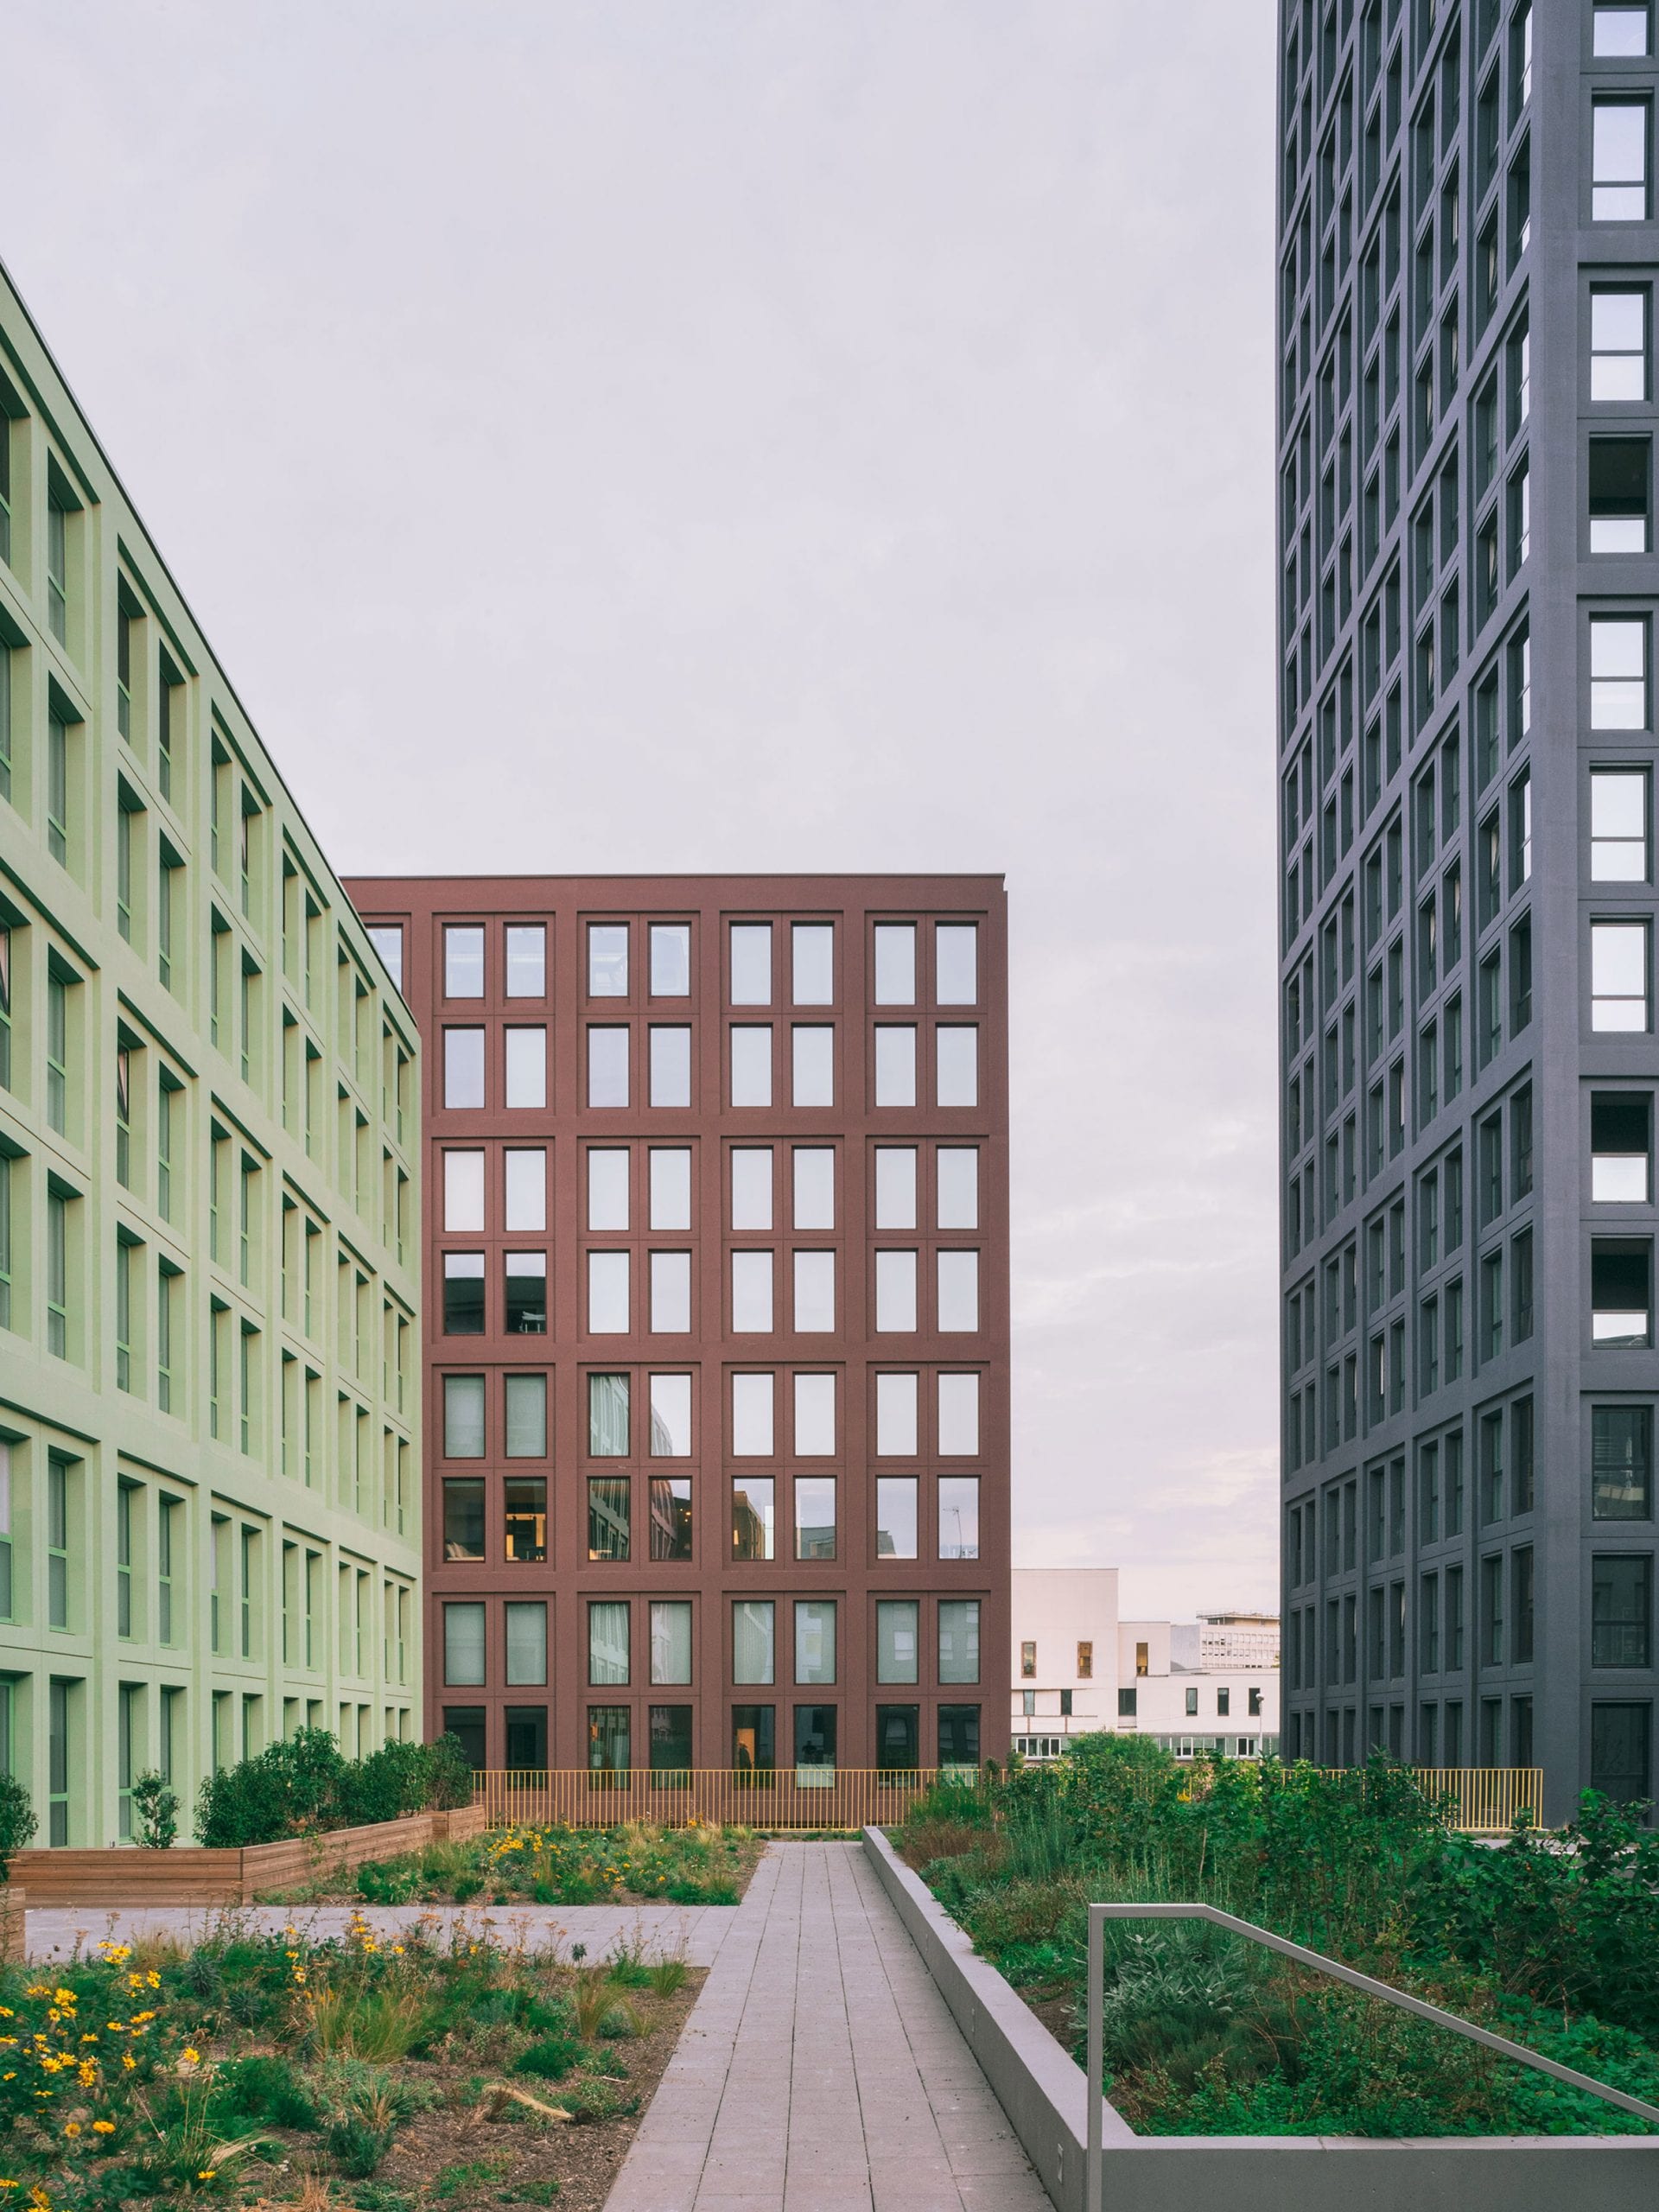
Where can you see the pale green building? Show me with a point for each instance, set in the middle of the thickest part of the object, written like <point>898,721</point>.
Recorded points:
<point>209,1232</point>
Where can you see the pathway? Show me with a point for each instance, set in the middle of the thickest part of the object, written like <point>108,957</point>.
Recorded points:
<point>821,2070</point>
<point>695,1932</point>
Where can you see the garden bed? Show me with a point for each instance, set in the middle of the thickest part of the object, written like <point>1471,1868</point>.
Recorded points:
<point>1552,1944</point>
<point>638,1863</point>
<point>359,2073</point>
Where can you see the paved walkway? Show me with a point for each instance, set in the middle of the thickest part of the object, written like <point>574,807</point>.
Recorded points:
<point>821,2070</point>
<point>695,1932</point>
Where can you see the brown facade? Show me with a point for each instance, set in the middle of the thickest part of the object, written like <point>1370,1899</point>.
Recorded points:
<point>665,1451</point>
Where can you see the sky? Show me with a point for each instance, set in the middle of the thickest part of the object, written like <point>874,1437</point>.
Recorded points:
<point>688,435</point>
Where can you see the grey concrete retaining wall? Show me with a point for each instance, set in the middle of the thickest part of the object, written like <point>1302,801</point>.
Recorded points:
<point>1044,2094</point>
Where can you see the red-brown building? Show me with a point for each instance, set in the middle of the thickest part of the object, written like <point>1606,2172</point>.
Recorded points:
<point>716,1300</point>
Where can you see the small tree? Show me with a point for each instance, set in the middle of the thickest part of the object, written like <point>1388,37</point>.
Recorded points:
<point>16,1821</point>
<point>157,1810</point>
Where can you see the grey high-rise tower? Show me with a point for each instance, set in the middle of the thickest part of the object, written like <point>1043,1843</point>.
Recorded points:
<point>1467,594</point>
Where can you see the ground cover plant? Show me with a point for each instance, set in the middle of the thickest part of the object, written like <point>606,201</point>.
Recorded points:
<point>376,2073</point>
<point>638,1862</point>
<point>1552,1941</point>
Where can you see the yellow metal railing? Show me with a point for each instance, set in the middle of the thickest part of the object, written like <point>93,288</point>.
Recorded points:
<point>791,1797</point>
<point>1485,1800</point>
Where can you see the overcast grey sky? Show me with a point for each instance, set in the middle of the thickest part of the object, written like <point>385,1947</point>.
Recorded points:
<point>673,434</point>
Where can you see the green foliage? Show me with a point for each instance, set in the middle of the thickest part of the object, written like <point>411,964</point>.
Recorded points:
<point>461,2180</point>
<point>266,2091</point>
<point>16,1821</point>
<point>1556,1940</point>
<point>156,1807</point>
<point>301,1784</point>
<point>551,2058</point>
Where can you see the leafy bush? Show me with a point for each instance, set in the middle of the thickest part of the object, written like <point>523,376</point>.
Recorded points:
<point>551,2058</point>
<point>157,1810</point>
<point>301,1784</point>
<point>16,1821</point>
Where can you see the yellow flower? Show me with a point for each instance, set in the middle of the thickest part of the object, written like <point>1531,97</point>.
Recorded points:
<point>206,2173</point>
<point>193,2056</point>
<point>103,2127</point>
<point>72,2127</point>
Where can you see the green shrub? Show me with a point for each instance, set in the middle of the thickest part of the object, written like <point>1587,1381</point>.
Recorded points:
<point>264,2091</point>
<point>552,2058</point>
<point>16,1821</point>
<point>155,1808</point>
<point>302,1783</point>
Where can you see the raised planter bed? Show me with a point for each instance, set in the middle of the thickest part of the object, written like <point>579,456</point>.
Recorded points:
<point>12,1902</point>
<point>188,1874</point>
<point>1046,2096</point>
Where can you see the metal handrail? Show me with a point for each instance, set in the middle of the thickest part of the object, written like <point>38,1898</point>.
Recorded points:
<point>1100,1914</point>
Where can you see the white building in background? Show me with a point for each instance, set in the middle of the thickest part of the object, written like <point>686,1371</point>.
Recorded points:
<point>1211,1684</point>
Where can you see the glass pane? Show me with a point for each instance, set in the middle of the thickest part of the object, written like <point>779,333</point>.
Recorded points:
<point>895,1292</point>
<point>958,1174</point>
<point>463,1417</point>
<point>815,1186</point>
<point>895,1066</point>
<point>526,1190</point>
<point>814,1641</point>
<point>526,1627</point>
<point>463,1645</point>
<point>895,1517</point>
<point>751,1065</point>
<point>607,1294</point>
<point>671,1066</point>
<point>959,1639</point>
<point>607,960</point>
<point>671,1186</point>
<point>895,963</point>
<point>607,1516</point>
<point>463,1293</point>
<point>752,1416</point>
<point>958,1066</point>
<point>670,1416</point>
<point>812,959</point>
<point>608,1642</point>
<point>814,1516</point>
<point>752,1293</point>
<point>524,1517</point>
<point>607,1416</point>
<point>895,1416</point>
<point>751,1186</point>
<point>815,1293</point>
<point>956,946</point>
<point>958,1516</point>
<point>958,1292</point>
<point>463,1190</point>
<point>670,1292</point>
<point>670,960</point>
<point>813,1071</point>
<point>526,961</point>
<point>751,963</point>
<point>671,1516</point>
<point>463,1068</point>
<point>670,1641</point>
<point>463,963</point>
<point>526,1416</point>
<point>526,1067</point>
<point>815,1416</point>
<point>752,1517</point>
<point>752,1655</point>
<point>608,1067</point>
<point>463,1519</point>
<point>896,1643</point>
<point>608,1189</point>
<point>895,1186</point>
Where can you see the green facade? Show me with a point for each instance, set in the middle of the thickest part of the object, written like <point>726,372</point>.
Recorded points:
<point>209,1226</point>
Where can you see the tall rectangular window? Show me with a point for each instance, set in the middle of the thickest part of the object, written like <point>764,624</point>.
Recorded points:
<point>526,960</point>
<point>1618,343</point>
<point>1618,672</point>
<point>57,789</point>
<point>1619,172</point>
<point>57,1544</point>
<point>463,961</point>
<point>1621,1479</point>
<point>1618,975</point>
<point>1618,825</point>
<point>670,960</point>
<point>1621,1610</point>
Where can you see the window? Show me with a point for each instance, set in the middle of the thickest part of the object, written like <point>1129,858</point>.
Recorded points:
<point>463,1417</point>
<point>524,1516</point>
<point>527,1417</point>
<point>814,1293</point>
<point>958,1516</point>
<point>463,1293</point>
<point>751,1063</point>
<point>895,963</point>
<point>1621,1611</point>
<point>956,962</point>
<point>752,1293</point>
<point>1619,175</point>
<point>1621,29</point>
<point>57,562</point>
<point>814,1516</point>
<point>815,1416</point>
<point>1086,1661</point>
<point>609,1516</point>
<point>959,1640</point>
<point>607,1188</point>
<point>813,1064</point>
<point>751,957</point>
<point>463,1189</point>
<point>958,1292</point>
<point>526,960</point>
<point>1620,1293</point>
<point>753,1639</point>
<point>1618,672</point>
<point>957,1072</point>
<point>1618,976</point>
<point>607,1416</point>
<point>670,1065</point>
<point>608,1654</point>
<point>751,1167</point>
<point>813,1173</point>
<point>670,1416</point>
<point>752,1416</point>
<point>670,1641</point>
<point>607,1294</point>
<point>463,1068</point>
<point>1621,1463</point>
<point>895,1517</point>
<point>895,1065</point>
<point>754,1530</point>
<point>57,787</point>
<point>895,1416</point>
<point>959,1432</point>
<point>608,1066</point>
<point>895,1186</point>
<point>526,1293</point>
<point>57,1202</point>
<point>387,938</point>
<point>895,1292</point>
<point>670,960</point>
<point>57,1051</point>
<point>812,946</point>
<point>1621,1137</point>
<point>463,1645</point>
<point>1618,825</point>
<point>463,1517</point>
<point>526,1066</point>
<point>957,1172</point>
<point>525,1622</point>
<point>815,1642</point>
<point>525,1190</point>
<point>463,963</point>
<point>670,1292</point>
<point>607,960</point>
<point>1619,344</point>
<point>1618,494</point>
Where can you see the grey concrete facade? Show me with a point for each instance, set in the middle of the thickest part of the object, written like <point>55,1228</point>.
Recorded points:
<point>1468,1361</point>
